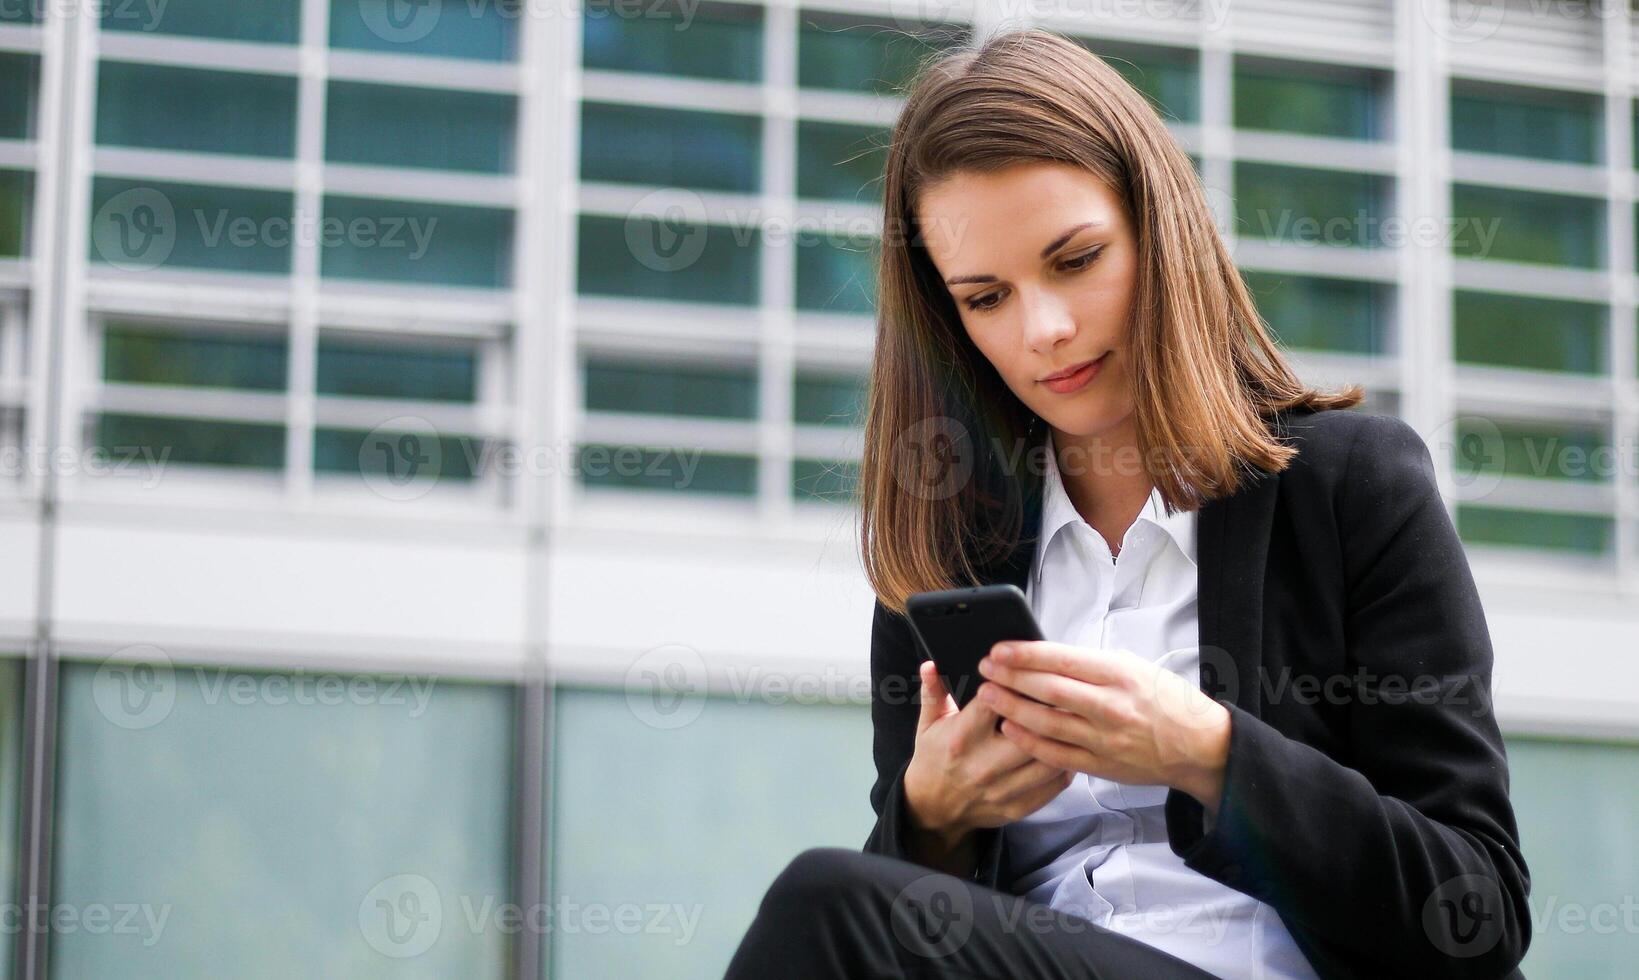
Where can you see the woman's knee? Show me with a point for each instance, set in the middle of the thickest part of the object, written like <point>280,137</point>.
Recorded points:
<point>818,876</point>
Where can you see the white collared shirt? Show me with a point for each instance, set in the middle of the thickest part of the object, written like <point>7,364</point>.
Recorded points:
<point>1099,849</point>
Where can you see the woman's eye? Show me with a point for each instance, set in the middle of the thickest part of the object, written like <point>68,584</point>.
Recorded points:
<point>984,304</point>
<point>1083,261</point>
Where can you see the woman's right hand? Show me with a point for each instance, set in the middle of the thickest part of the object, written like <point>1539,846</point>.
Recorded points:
<point>964,774</point>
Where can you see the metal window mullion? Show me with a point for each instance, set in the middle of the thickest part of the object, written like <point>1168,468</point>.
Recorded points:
<point>778,263</point>
<point>304,258</point>
<point>1619,165</point>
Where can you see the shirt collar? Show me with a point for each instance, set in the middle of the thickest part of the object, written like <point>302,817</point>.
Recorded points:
<point>1057,511</point>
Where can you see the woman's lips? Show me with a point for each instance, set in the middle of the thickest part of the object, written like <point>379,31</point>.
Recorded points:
<point>1079,378</point>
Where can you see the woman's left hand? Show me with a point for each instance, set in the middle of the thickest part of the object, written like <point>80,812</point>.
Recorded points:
<point>1109,713</point>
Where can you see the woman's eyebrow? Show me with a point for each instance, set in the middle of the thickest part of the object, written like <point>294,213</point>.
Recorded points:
<point>1051,247</point>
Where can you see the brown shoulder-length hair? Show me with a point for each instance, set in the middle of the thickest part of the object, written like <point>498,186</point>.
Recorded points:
<point>943,478</point>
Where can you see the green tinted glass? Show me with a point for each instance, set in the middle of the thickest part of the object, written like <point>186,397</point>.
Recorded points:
<point>670,147</point>
<point>416,242</point>
<point>276,21</point>
<point>840,161</point>
<point>681,470</point>
<point>1513,527</point>
<point>138,354</point>
<point>393,369</point>
<point>842,51</point>
<point>670,260</point>
<point>482,31</point>
<point>1322,313</point>
<point>1525,122</point>
<point>1528,226</point>
<point>19,88</point>
<point>1533,450</point>
<point>836,274</point>
<point>1314,100</point>
<point>717,392</point>
<point>713,40</point>
<point>163,107</point>
<point>827,399</point>
<point>144,225</point>
<point>1529,332</point>
<point>250,445</point>
<point>395,126</point>
<point>16,194</point>
<point>1325,207</point>
<point>825,480</point>
<point>396,455</point>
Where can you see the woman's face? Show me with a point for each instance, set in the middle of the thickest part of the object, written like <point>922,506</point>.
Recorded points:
<point>1040,260</point>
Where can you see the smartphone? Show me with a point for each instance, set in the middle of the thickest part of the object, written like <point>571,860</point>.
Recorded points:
<point>957,628</point>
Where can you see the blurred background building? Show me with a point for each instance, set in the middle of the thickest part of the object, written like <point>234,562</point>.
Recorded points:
<point>409,410</point>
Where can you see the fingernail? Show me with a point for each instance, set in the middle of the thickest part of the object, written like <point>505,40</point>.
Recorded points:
<point>1002,651</point>
<point>984,665</point>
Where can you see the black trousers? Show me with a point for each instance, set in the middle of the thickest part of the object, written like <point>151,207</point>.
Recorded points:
<point>846,914</point>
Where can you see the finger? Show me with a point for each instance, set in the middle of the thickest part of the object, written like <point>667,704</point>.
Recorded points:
<point>936,702</point>
<point>1051,751</point>
<point>1069,693</point>
<point>1082,663</point>
<point>977,719</point>
<point>1043,719</point>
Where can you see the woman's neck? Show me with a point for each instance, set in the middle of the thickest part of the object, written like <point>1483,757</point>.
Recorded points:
<point>1104,477</point>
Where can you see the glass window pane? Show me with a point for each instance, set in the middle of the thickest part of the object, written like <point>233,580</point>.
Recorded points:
<point>481,31</point>
<point>842,51</point>
<point>836,160</point>
<point>671,389</point>
<point>412,241</point>
<point>1513,527</point>
<point>799,776</point>
<point>671,260</point>
<point>670,147</point>
<point>1536,450</point>
<point>639,468</point>
<point>197,110</point>
<point>1529,226</point>
<point>834,481</point>
<point>1322,313</point>
<point>277,21</point>
<point>16,194</point>
<point>1315,100</point>
<point>20,12</point>
<point>400,456</point>
<point>1575,802</point>
<point>373,368</point>
<point>1169,77</point>
<point>141,225</point>
<point>397,126</point>
<point>1525,122</point>
<point>252,445</point>
<point>19,88</point>
<point>828,399</point>
<point>836,274</point>
<point>1529,332</point>
<point>722,40</point>
<point>140,354</point>
<point>1324,207</point>
<point>290,825</point>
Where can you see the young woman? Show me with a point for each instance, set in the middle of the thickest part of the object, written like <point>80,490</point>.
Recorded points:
<point>1261,742</point>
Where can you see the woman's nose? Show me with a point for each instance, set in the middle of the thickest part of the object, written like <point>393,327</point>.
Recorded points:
<point>1047,322</point>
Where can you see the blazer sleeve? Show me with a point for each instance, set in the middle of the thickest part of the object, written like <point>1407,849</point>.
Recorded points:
<point>895,688</point>
<point>1408,857</point>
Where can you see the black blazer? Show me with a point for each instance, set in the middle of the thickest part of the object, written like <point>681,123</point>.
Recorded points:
<point>1366,794</point>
